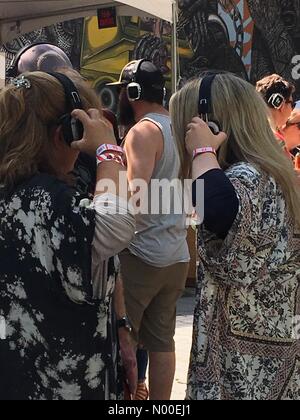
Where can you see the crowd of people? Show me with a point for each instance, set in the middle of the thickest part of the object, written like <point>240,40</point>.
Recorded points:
<point>90,280</point>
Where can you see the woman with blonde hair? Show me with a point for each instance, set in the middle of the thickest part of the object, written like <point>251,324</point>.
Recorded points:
<point>58,327</point>
<point>246,342</point>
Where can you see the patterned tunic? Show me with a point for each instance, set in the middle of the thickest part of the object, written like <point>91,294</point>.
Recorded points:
<point>246,343</point>
<point>57,342</point>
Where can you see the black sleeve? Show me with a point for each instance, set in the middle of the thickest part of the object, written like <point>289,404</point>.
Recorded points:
<point>221,203</point>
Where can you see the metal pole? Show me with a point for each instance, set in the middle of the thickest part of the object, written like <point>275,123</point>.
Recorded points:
<point>174,48</point>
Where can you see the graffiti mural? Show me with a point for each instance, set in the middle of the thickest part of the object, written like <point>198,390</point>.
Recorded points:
<point>209,38</point>
<point>211,34</point>
<point>252,38</point>
<point>276,37</point>
<point>66,35</point>
<point>105,52</point>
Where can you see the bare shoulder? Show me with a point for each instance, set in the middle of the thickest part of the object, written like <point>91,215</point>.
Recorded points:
<point>143,133</point>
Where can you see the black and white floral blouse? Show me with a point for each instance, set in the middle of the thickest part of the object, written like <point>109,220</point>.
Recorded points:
<point>57,331</point>
<point>246,343</point>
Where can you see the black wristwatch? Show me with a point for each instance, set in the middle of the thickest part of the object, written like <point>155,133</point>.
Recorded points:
<point>124,323</point>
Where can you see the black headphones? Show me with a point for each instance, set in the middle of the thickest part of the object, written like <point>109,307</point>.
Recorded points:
<point>13,70</point>
<point>134,89</point>
<point>72,128</point>
<point>205,105</point>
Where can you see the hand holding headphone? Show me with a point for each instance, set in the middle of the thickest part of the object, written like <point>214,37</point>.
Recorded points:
<point>200,136</point>
<point>72,129</point>
<point>205,103</point>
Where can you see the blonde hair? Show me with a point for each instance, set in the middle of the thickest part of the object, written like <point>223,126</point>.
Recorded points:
<point>243,116</point>
<point>28,118</point>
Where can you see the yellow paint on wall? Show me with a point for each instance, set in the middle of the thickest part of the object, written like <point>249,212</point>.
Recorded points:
<point>99,37</point>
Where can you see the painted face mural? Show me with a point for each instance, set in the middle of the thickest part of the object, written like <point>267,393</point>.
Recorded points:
<point>209,38</point>
<point>276,38</point>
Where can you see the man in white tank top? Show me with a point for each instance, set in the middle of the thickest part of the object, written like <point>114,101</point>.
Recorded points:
<point>154,268</point>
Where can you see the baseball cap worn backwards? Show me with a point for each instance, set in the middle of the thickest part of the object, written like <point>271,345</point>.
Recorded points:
<point>148,75</point>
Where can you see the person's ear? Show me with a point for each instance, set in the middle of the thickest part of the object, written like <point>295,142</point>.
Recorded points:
<point>58,139</point>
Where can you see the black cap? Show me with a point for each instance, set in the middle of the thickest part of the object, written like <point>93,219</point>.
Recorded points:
<point>148,75</point>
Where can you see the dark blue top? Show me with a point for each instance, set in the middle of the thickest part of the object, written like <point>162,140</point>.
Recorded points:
<point>221,203</point>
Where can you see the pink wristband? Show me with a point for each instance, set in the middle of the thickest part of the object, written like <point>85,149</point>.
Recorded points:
<point>203,150</point>
<point>109,148</point>
<point>110,157</point>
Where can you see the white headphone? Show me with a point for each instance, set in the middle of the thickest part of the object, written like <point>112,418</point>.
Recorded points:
<point>134,89</point>
<point>276,100</point>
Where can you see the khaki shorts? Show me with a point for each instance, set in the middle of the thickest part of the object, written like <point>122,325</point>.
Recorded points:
<point>151,295</point>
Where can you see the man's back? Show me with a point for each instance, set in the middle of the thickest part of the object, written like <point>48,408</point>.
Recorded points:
<point>161,233</point>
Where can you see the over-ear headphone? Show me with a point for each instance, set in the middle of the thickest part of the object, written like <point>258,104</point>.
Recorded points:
<point>72,128</point>
<point>276,100</point>
<point>134,89</point>
<point>13,70</point>
<point>205,105</point>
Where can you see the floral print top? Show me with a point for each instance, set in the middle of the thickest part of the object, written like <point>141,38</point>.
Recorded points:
<point>57,340</point>
<point>246,343</point>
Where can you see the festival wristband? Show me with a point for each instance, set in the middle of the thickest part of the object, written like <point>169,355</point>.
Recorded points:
<point>109,148</point>
<point>110,157</point>
<point>203,150</point>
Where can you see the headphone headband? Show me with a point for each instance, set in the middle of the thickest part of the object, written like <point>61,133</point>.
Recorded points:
<point>72,96</point>
<point>205,106</point>
<point>72,129</point>
<point>205,102</point>
<point>136,69</point>
<point>134,84</point>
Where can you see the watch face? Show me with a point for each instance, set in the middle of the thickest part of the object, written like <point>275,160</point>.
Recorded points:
<point>124,323</point>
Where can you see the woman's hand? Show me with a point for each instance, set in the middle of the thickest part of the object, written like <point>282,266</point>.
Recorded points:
<point>128,355</point>
<point>97,131</point>
<point>199,135</point>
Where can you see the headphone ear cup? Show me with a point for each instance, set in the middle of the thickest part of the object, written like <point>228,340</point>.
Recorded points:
<point>72,129</point>
<point>134,91</point>
<point>66,128</point>
<point>77,129</point>
<point>276,100</point>
<point>215,129</point>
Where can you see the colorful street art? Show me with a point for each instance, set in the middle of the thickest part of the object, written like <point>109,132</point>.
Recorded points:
<point>251,38</point>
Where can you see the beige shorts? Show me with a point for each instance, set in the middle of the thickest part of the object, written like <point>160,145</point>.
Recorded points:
<point>151,295</point>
